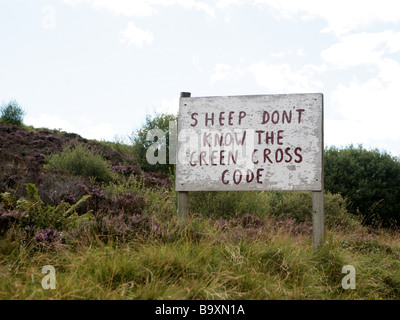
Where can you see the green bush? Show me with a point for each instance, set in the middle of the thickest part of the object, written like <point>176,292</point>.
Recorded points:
<point>229,204</point>
<point>12,113</point>
<point>31,211</point>
<point>81,161</point>
<point>140,143</point>
<point>296,205</point>
<point>369,180</point>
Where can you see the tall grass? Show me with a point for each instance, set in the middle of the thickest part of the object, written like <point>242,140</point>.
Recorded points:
<point>235,246</point>
<point>296,205</point>
<point>276,264</point>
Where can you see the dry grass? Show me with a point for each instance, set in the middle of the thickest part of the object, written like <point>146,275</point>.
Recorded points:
<point>271,264</point>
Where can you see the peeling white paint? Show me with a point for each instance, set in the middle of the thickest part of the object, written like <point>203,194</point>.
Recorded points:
<point>292,139</point>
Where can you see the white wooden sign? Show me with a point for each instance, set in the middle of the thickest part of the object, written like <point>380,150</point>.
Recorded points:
<point>260,142</point>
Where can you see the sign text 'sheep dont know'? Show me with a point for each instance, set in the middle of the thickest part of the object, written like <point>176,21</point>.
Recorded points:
<point>261,142</point>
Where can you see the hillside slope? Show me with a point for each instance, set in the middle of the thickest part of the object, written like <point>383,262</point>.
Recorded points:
<point>23,153</point>
<point>122,239</point>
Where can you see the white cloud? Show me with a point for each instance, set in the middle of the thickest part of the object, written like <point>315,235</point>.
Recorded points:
<point>300,52</point>
<point>389,71</point>
<point>48,17</point>
<point>341,133</point>
<point>125,7</point>
<point>369,110</point>
<point>371,103</point>
<point>136,8</point>
<point>342,16</point>
<point>84,127</point>
<point>49,121</point>
<point>281,54</point>
<point>221,72</point>
<point>282,79</point>
<point>367,107</point>
<point>224,71</point>
<point>362,48</point>
<point>169,106</point>
<point>276,78</point>
<point>189,4</point>
<point>136,36</point>
<point>196,63</point>
<point>72,3</point>
<point>98,131</point>
<point>223,4</point>
<point>140,8</point>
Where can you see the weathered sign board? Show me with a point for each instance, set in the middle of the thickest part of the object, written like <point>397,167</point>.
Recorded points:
<point>257,142</point>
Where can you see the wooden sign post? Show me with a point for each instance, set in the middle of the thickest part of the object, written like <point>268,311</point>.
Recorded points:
<point>183,196</point>
<point>259,142</point>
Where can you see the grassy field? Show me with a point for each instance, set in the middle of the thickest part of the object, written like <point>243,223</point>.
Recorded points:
<point>110,231</point>
<point>201,261</point>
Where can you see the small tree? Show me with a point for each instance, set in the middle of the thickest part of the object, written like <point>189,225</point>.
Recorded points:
<point>12,113</point>
<point>140,143</point>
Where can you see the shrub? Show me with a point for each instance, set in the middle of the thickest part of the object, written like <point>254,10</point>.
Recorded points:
<point>293,205</point>
<point>81,161</point>
<point>31,214</point>
<point>111,202</point>
<point>297,205</point>
<point>140,144</point>
<point>229,204</point>
<point>369,180</point>
<point>12,113</point>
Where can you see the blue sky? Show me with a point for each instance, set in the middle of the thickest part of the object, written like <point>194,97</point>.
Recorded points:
<point>97,67</point>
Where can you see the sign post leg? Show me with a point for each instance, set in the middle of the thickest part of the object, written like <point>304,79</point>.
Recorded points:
<point>183,196</point>
<point>183,205</point>
<point>318,219</point>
